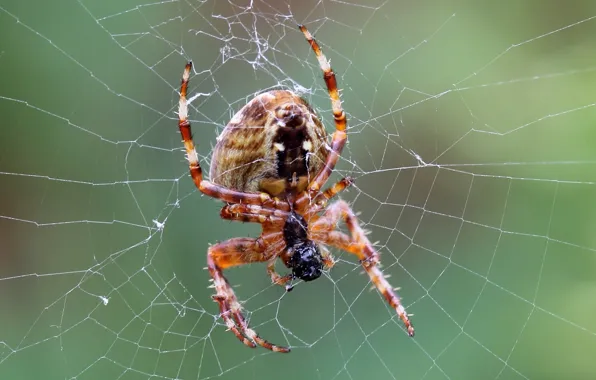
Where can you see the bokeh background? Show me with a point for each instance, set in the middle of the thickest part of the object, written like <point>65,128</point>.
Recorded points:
<point>471,141</point>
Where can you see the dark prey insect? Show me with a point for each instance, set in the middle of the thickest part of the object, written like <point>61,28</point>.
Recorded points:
<point>268,167</point>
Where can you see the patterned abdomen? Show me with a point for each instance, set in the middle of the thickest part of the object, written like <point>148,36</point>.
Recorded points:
<point>275,144</point>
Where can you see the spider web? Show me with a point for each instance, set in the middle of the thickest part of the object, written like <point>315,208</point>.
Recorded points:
<point>470,142</point>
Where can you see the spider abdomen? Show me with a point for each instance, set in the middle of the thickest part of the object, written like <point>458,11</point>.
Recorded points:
<point>275,144</point>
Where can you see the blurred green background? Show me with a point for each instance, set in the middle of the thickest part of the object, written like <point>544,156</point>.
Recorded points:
<point>471,141</point>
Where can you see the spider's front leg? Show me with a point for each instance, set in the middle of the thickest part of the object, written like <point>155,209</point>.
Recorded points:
<point>323,231</point>
<point>234,252</point>
<point>272,221</point>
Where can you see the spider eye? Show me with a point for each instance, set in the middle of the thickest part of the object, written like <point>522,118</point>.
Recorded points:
<point>306,261</point>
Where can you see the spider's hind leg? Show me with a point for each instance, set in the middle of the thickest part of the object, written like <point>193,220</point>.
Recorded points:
<point>339,136</point>
<point>196,172</point>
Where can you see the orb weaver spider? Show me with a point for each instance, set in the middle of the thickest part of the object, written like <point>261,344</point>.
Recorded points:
<point>269,166</point>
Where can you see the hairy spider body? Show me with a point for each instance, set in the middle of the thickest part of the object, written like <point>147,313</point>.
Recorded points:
<point>274,144</point>
<point>269,166</point>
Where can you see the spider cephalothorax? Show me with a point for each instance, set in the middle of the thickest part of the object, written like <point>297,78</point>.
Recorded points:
<point>269,166</point>
<point>304,257</point>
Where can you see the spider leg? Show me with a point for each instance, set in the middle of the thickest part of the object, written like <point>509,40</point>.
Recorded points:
<point>206,187</point>
<point>253,213</point>
<point>314,206</point>
<point>339,136</point>
<point>323,231</point>
<point>328,259</point>
<point>337,188</point>
<point>234,252</point>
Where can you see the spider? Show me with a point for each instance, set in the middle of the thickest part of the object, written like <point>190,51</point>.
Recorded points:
<point>269,166</point>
